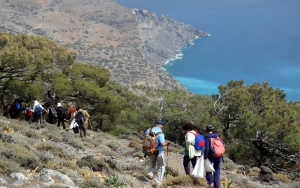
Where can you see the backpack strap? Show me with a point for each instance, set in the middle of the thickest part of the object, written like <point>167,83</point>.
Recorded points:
<point>195,134</point>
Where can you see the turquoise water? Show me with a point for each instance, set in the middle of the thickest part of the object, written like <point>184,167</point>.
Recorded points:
<point>252,40</point>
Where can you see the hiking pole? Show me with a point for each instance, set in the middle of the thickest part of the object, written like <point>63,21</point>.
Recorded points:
<point>167,161</point>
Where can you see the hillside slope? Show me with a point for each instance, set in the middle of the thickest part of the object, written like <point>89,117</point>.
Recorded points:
<point>46,156</point>
<point>131,43</point>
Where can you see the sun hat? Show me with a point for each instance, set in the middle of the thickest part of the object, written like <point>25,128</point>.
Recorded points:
<point>59,104</point>
<point>160,122</point>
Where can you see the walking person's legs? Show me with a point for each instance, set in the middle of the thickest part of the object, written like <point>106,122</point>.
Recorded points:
<point>151,168</point>
<point>81,130</point>
<point>217,163</point>
<point>85,127</point>
<point>63,123</point>
<point>58,122</point>
<point>186,160</point>
<point>160,161</point>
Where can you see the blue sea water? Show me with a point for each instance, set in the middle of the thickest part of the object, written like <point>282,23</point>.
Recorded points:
<point>252,40</point>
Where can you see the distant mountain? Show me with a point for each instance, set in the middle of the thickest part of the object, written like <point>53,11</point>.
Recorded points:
<point>131,43</point>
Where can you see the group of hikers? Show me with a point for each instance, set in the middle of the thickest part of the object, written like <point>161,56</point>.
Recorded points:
<point>77,117</point>
<point>191,154</point>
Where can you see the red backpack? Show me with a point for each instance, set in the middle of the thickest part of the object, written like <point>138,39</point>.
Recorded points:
<point>217,147</point>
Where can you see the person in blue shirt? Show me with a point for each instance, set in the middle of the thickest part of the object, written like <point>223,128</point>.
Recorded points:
<point>212,180</point>
<point>160,162</point>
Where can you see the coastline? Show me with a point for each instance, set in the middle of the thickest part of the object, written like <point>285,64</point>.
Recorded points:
<point>179,54</point>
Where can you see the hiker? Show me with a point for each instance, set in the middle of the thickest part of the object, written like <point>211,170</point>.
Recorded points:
<point>212,180</point>
<point>83,125</point>
<point>28,113</point>
<point>60,115</point>
<point>72,113</point>
<point>159,158</point>
<point>190,153</point>
<point>12,111</point>
<point>17,109</point>
<point>38,112</point>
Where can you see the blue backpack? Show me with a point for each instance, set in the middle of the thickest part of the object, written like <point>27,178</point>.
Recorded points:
<point>18,106</point>
<point>38,110</point>
<point>199,140</point>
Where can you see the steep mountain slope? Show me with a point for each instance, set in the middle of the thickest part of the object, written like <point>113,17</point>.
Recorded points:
<point>131,43</point>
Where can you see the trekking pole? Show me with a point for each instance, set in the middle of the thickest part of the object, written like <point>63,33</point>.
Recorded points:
<point>167,161</point>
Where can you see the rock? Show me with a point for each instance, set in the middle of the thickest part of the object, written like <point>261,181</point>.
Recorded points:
<point>51,175</point>
<point>267,174</point>
<point>21,179</point>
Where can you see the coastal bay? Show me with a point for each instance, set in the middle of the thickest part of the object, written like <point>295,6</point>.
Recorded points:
<point>254,41</point>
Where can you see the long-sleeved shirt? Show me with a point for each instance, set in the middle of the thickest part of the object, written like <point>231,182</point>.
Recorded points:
<point>208,144</point>
<point>189,144</point>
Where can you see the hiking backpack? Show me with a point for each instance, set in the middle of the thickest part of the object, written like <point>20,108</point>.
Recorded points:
<point>199,140</point>
<point>29,112</point>
<point>38,110</point>
<point>80,117</point>
<point>18,106</point>
<point>217,148</point>
<point>149,143</point>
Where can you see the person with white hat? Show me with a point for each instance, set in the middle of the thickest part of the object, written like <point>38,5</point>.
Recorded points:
<point>38,111</point>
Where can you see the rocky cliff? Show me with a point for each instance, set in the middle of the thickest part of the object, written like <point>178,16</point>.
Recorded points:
<point>131,43</point>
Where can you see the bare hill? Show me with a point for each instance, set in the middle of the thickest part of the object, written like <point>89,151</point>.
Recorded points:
<point>131,43</point>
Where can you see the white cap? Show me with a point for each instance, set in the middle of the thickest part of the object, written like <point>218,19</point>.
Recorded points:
<point>59,104</point>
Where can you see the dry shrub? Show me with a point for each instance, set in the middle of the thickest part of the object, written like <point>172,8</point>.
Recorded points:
<point>104,148</point>
<point>282,177</point>
<point>129,180</point>
<point>134,144</point>
<point>21,155</point>
<point>139,154</point>
<point>254,172</point>
<point>53,135</point>
<point>76,143</point>
<point>91,183</point>
<point>32,134</point>
<point>94,164</point>
<point>186,180</point>
<point>92,142</point>
<point>8,166</point>
<point>134,139</point>
<point>114,145</point>
<point>46,146</point>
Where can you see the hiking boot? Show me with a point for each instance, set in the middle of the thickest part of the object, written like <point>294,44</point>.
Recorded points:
<point>150,177</point>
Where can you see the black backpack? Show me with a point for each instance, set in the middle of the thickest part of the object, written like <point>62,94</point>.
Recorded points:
<point>80,118</point>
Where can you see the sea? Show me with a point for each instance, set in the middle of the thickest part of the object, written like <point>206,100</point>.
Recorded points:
<point>251,40</point>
